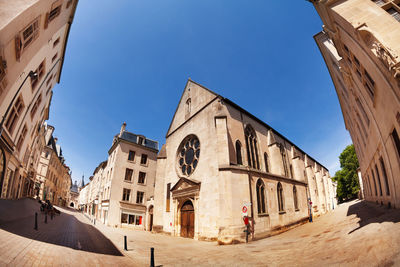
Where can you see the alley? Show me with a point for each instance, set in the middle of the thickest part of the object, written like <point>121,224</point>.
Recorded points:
<point>354,234</point>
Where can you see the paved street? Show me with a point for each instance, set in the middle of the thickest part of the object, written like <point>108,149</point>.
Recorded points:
<point>355,234</point>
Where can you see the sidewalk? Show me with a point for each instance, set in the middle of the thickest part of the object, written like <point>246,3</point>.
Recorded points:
<point>354,234</point>
<point>62,241</point>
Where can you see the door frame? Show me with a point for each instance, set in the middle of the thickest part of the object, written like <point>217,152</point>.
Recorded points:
<point>181,204</point>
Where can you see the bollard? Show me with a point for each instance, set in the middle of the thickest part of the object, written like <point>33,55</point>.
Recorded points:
<point>35,221</point>
<point>45,217</point>
<point>125,244</point>
<point>151,257</point>
<point>94,221</point>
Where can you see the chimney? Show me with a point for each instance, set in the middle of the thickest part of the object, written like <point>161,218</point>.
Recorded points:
<point>123,126</point>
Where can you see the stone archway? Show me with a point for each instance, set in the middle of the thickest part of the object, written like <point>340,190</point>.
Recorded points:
<point>72,205</point>
<point>187,219</point>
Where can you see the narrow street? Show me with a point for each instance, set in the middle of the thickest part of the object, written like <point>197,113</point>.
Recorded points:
<point>354,234</point>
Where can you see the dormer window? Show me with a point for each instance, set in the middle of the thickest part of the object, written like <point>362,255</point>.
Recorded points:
<point>140,140</point>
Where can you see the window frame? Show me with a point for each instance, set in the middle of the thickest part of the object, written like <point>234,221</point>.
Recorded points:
<point>261,197</point>
<point>24,41</point>
<point>133,157</point>
<point>281,201</point>
<point>142,197</point>
<point>266,162</point>
<point>129,174</point>
<point>14,115</point>
<point>144,178</point>
<point>126,192</point>
<point>295,199</point>
<point>238,148</point>
<point>141,159</point>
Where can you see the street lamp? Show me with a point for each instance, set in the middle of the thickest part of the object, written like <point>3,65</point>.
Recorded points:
<point>31,74</point>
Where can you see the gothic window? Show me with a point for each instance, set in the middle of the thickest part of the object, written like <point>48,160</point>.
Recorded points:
<point>260,189</point>
<point>396,141</point>
<point>266,162</point>
<point>385,176</point>
<point>379,179</point>
<point>251,147</point>
<point>296,205</point>
<point>283,154</point>
<point>188,107</point>
<point>280,197</point>
<point>373,178</point>
<point>188,155</point>
<point>291,171</point>
<point>239,160</point>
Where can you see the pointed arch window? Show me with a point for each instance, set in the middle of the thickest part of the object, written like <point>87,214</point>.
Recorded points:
<point>188,107</point>
<point>266,162</point>
<point>295,200</point>
<point>239,160</point>
<point>280,197</point>
<point>283,154</point>
<point>251,147</point>
<point>260,189</point>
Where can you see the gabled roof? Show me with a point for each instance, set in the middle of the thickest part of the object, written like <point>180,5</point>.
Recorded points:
<point>180,100</point>
<point>231,103</point>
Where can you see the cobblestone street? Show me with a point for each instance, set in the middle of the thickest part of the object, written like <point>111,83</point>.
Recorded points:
<point>354,234</point>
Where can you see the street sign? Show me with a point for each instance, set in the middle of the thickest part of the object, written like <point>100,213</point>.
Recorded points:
<point>244,209</point>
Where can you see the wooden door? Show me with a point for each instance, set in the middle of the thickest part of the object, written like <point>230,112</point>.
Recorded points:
<point>187,220</point>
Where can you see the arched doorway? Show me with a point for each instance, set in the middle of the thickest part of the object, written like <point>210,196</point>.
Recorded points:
<point>71,205</point>
<point>150,218</point>
<point>187,219</point>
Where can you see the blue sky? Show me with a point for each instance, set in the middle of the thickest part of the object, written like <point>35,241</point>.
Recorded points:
<point>129,60</point>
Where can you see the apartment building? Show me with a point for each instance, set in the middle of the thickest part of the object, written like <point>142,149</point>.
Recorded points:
<point>33,39</point>
<point>360,44</point>
<point>120,191</point>
<point>53,179</point>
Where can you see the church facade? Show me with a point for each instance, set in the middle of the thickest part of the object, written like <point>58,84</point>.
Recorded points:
<point>220,163</point>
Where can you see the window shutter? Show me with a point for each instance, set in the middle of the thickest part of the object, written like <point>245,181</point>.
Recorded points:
<point>46,20</point>
<point>18,46</point>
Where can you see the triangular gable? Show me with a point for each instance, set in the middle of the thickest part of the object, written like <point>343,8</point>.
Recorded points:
<point>199,96</point>
<point>184,183</point>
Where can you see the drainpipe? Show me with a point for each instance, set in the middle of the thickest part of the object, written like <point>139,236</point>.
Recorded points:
<point>251,206</point>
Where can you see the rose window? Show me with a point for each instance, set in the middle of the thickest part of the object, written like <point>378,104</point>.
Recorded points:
<point>188,155</point>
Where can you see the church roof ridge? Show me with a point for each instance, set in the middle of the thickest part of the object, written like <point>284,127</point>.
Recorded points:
<point>250,115</point>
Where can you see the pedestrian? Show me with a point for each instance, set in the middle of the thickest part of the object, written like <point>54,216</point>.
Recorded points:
<point>310,209</point>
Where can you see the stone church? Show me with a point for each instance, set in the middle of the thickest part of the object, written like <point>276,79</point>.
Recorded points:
<point>220,163</point>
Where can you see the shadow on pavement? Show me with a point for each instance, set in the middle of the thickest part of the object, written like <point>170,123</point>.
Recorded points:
<point>372,213</point>
<point>64,230</point>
